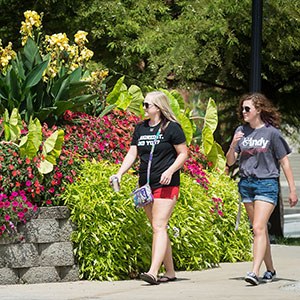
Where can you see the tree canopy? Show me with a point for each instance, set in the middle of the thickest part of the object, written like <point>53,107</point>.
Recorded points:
<point>189,44</point>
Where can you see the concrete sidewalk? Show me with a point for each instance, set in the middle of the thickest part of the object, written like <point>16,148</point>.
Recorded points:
<point>221,283</point>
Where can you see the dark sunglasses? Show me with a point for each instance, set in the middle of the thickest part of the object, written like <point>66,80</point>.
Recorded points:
<point>246,108</point>
<point>147,105</point>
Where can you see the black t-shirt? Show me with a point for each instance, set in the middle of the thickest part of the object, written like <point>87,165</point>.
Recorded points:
<point>164,152</point>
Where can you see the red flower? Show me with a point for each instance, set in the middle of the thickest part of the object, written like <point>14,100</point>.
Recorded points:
<point>11,167</point>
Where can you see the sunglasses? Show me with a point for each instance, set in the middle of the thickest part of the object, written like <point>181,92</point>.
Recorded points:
<point>246,108</point>
<point>147,105</point>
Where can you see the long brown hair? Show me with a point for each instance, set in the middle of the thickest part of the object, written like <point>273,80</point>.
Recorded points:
<point>268,113</point>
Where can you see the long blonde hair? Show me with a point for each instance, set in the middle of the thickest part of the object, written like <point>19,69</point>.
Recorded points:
<point>161,100</point>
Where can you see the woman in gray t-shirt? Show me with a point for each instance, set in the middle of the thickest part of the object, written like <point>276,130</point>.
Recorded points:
<point>262,149</point>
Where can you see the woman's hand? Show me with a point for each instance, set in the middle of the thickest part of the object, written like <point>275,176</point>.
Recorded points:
<point>111,177</point>
<point>166,177</point>
<point>293,199</point>
<point>236,138</point>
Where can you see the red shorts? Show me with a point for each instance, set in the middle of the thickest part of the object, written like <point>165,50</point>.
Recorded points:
<point>167,192</point>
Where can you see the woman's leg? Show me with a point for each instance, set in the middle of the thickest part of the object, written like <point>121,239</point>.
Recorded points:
<point>261,244</point>
<point>168,259</point>
<point>159,213</point>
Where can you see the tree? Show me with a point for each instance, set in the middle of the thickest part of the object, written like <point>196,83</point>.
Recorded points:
<point>200,45</point>
<point>192,44</point>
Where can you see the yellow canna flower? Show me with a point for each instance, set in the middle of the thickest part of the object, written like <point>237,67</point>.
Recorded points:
<point>80,37</point>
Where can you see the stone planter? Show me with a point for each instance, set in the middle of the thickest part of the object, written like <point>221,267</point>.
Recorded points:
<point>46,252</point>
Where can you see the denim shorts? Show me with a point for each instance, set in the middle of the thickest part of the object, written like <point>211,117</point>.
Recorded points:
<point>252,189</point>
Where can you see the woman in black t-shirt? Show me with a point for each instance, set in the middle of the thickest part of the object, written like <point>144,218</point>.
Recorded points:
<point>170,153</point>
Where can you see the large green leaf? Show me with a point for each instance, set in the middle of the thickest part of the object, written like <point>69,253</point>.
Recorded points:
<point>63,92</point>
<point>211,115</point>
<point>18,66</point>
<point>52,146</point>
<point>51,151</point>
<point>45,112</point>
<point>207,139</point>
<point>107,109</point>
<point>31,53</point>
<point>187,127</point>
<point>56,86</point>
<point>75,102</point>
<point>216,156</point>
<point>45,167</point>
<point>14,85</point>
<point>29,144</point>
<point>76,75</point>
<point>136,99</point>
<point>124,98</point>
<point>114,95</point>
<point>77,88</point>
<point>179,99</point>
<point>12,125</point>
<point>4,88</point>
<point>35,75</point>
<point>173,102</point>
<point>62,106</point>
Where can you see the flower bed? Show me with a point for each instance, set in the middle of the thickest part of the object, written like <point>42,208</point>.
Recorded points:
<point>86,137</point>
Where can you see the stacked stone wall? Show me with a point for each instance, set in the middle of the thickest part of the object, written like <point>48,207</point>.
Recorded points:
<point>44,253</point>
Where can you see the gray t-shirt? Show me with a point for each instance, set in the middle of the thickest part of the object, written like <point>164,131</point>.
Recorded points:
<point>260,151</point>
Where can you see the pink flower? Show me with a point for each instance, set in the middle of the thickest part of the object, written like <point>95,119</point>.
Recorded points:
<point>14,194</point>
<point>15,203</point>
<point>6,217</point>
<point>6,203</point>
<point>28,183</point>
<point>20,214</point>
<point>51,190</point>
<point>3,227</point>
<point>220,213</point>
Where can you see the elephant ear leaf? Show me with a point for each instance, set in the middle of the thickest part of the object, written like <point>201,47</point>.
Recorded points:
<point>51,151</point>
<point>12,125</point>
<point>29,144</point>
<point>211,116</point>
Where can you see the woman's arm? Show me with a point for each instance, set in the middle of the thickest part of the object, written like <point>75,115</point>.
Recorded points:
<point>127,162</point>
<point>231,155</point>
<point>182,155</point>
<point>285,164</point>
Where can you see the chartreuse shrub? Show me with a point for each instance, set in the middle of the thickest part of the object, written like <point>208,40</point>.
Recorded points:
<point>234,245</point>
<point>113,241</point>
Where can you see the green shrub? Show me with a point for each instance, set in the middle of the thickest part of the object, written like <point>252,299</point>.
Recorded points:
<point>233,245</point>
<point>113,241</point>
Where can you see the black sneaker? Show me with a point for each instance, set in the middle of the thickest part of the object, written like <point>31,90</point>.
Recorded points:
<point>269,276</point>
<point>251,278</point>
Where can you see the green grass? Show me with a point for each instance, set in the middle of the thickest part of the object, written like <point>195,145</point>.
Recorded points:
<point>288,241</point>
